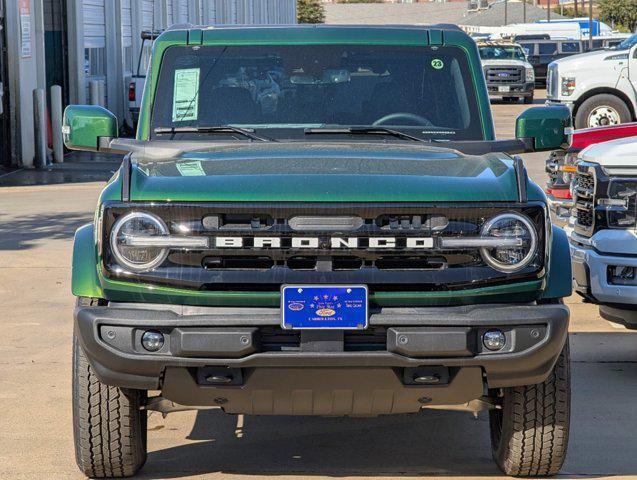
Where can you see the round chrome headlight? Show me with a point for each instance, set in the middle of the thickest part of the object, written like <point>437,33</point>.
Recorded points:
<point>127,239</point>
<point>514,242</point>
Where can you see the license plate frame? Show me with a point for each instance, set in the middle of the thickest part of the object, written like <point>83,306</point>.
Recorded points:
<point>504,89</point>
<point>304,307</point>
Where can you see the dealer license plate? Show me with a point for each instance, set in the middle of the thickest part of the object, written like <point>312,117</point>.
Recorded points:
<point>504,88</point>
<point>339,307</point>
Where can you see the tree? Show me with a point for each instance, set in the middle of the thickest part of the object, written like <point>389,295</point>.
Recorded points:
<point>619,12</point>
<point>310,11</point>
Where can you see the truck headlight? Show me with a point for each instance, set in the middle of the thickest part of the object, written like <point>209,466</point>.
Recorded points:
<point>134,255</point>
<point>567,86</point>
<point>514,242</point>
<point>530,75</point>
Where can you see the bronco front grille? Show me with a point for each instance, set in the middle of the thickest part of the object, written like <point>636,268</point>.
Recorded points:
<point>354,228</point>
<point>504,75</point>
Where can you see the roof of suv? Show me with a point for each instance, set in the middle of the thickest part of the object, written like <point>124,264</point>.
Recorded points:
<point>437,34</point>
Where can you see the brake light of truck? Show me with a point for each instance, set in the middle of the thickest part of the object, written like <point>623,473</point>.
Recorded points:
<point>131,92</point>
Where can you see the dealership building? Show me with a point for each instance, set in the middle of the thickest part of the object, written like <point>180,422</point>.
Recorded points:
<point>74,42</point>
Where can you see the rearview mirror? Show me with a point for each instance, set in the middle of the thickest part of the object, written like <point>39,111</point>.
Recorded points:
<point>88,127</point>
<point>544,128</point>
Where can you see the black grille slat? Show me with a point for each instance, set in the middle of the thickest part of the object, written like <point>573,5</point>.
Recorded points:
<point>276,339</point>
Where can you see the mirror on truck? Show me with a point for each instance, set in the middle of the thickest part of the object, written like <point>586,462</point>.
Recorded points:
<point>88,127</point>
<point>544,128</point>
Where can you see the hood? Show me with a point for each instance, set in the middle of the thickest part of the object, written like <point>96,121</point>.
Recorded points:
<point>323,172</point>
<point>589,60</point>
<point>621,153</point>
<point>506,63</point>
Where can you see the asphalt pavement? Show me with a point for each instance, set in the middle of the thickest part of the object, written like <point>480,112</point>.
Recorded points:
<point>36,232</point>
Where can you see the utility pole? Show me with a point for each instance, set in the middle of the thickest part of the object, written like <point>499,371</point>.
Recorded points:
<point>548,10</point>
<point>590,24</point>
<point>506,12</point>
<point>523,11</point>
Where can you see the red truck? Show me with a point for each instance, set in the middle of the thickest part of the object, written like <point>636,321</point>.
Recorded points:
<point>561,164</point>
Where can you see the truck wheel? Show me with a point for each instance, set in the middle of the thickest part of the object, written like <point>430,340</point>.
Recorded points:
<point>529,434</point>
<point>109,428</point>
<point>528,100</point>
<point>601,110</point>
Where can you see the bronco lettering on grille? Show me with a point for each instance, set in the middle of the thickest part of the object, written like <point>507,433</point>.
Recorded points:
<point>412,243</point>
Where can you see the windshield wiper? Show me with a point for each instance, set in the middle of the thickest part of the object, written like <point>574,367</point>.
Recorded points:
<point>248,133</point>
<point>364,131</point>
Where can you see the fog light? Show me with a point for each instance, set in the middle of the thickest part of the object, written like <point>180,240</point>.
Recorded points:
<point>494,340</point>
<point>152,341</point>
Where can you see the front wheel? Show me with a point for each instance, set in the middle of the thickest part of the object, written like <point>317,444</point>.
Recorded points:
<point>602,110</point>
<point>529,434</point>
<point>528,100</point>
<point>109,427</point>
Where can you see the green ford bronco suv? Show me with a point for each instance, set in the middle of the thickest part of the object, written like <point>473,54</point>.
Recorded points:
<point>318,220</point>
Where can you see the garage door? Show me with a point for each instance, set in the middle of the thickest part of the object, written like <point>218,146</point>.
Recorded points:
<point>94,41</point>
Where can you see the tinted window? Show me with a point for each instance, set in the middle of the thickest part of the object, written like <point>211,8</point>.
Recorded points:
<point>529,48</point>
<point>423,89</point>
<point>547,48</point>
<point>570,47</point>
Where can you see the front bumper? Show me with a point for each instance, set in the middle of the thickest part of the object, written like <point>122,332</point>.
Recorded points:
<point>591,258</point>
<point>515,90</point>
<point>235,345</point>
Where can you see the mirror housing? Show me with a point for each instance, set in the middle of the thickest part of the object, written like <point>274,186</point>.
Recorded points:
<point>88,128</point>
<point>544,128</point>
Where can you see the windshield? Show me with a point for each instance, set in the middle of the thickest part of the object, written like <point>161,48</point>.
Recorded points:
<point>284,89</point>
<point>626,44</point>
<point>501,52</point>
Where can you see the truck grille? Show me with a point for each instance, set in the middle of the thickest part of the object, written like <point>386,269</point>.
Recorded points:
<point>504,75</point>
<point>584,198</point>
<point>400,267</point>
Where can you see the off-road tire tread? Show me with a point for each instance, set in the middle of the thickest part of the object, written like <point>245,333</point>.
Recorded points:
<point>534,423</point>
<point>108,425</point>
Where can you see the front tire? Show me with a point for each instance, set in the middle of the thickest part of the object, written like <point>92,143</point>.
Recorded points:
<point>528,100</point>
<point>109,427</point>
<point>529,434</point>
<point>602,110</point>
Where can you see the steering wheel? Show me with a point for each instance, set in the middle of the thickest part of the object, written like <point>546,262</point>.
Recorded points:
<point>422,121</point>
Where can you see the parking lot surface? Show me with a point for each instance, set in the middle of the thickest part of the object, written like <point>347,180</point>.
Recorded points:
<point>36,306</point>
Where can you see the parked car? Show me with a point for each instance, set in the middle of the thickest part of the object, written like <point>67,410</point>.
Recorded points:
<point>598,86</point>
<point>542,51</point>
<point>602,229</point>
<point>507,71</point>
<point>560,165</point>
<point>318,220</point>
<point>136,85</point>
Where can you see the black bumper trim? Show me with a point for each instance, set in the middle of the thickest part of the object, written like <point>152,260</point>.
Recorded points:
<point>144,371</point>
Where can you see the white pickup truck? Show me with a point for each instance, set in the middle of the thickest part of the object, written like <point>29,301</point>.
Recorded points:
<point>602,229</point>
<point>600,87</point>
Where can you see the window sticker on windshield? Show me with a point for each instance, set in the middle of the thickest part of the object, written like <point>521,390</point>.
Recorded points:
<point>437,63</point>
<point>186,95</point>
<point>190,169</point>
